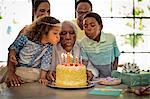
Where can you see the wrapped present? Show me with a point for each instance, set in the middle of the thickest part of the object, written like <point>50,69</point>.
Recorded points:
<point>133,79</point>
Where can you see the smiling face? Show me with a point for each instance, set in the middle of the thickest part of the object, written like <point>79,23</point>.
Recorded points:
<point>81,10</point>
<point>92,27</point>
<point>67,36</point>
<point>42,10</point>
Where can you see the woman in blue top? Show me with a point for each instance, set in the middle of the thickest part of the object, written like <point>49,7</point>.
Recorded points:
<point>40,8</point>
<point>34,48</point>
<point>97,47</point>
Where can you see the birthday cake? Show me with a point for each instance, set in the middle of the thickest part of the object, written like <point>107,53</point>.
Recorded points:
<point>71,72</point>
<point>71,75</point>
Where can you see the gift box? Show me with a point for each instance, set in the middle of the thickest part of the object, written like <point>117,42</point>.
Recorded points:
<point>133,79</point>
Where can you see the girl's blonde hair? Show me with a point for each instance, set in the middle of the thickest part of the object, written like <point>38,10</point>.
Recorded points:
<point>41,26</point>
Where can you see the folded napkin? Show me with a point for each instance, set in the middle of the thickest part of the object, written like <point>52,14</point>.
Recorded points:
<point>109,91</point>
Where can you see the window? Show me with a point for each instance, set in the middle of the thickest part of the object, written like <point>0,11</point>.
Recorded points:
<point>63,9</point>
<point>129,21</point>
<point>14,15</point>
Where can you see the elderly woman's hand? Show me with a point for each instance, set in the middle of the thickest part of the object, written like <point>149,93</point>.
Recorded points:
<point>89,75</point>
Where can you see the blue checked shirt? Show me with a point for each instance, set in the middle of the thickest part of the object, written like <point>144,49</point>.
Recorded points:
<point>28,51</point>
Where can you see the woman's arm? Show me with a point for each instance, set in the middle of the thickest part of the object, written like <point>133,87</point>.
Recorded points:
<point>11,64</point>
<point>12,79</point>
<point>23,31</point>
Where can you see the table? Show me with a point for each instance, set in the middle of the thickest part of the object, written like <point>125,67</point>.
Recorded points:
<point>37,91</point>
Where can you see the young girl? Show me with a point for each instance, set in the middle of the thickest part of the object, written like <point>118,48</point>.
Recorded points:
<point>98,47</point>
<point>34,49</point>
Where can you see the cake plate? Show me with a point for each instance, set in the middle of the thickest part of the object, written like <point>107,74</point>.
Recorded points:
<point>70,88</point>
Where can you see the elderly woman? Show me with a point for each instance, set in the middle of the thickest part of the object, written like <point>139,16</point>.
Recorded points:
<point>67,44</point>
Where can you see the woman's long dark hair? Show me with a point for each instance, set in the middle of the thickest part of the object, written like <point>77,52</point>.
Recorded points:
<point>35,5</point>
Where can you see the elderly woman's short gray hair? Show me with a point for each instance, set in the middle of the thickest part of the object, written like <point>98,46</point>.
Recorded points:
<point>71,24</point>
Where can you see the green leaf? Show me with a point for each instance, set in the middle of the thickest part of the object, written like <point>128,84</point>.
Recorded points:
<point>140,0</point>
<point>140,25</point>
<point>138,11</point>
<point>148,6</point>
<point>129,24</point>
<point>1,17</point>
<point>134,39</point>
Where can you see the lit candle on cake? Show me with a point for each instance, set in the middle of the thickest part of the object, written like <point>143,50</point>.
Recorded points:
<point>68,57</point>
<point>63,58</point>
<point>76,60</point>
<point>71,59</point>
<point>81,60</point>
